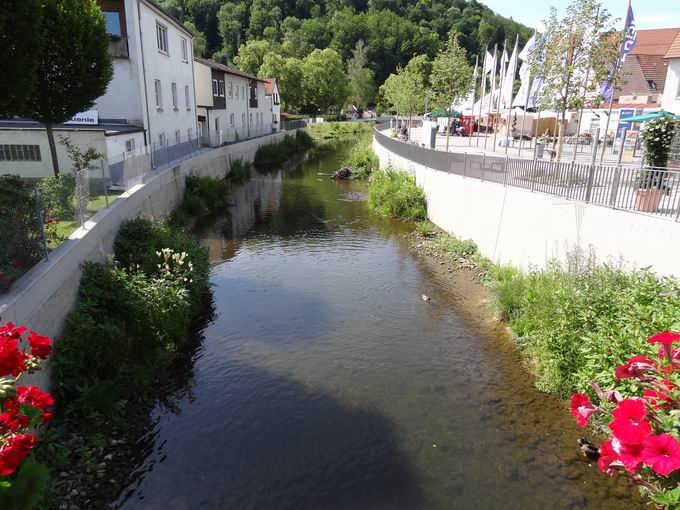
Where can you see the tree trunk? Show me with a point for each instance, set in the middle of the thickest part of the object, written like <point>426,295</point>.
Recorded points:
<point>448,133</point>
<point>53,148</point>
<point>560,138</point>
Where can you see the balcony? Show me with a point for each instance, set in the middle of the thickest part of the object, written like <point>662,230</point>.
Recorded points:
<point>118,47</point>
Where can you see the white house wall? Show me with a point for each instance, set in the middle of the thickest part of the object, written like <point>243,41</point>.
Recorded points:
<point>671,101</point>
<point>203,77</point>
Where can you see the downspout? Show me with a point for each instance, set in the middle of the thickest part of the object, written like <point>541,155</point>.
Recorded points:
<point>248,107</point>
<point>193,85</point>
<point>146,92</point>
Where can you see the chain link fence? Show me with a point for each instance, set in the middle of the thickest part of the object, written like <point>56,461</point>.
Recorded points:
<point>632,188</point>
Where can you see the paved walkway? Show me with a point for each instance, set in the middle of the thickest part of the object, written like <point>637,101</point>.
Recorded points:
<point>476,145</point>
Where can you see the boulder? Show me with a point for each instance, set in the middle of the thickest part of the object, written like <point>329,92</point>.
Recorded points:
<point>343,173</point>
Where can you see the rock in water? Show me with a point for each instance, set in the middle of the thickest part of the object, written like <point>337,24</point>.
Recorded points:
<point>343,173</point>
<point>425,298</point>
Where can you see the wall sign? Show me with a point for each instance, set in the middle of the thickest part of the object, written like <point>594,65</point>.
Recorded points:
<point>629,146</point>
<point>89,118</point>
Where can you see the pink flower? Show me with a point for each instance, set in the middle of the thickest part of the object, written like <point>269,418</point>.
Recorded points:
<point>661,453</point>
<point>41,346</point>
<point>666,338</point>
<point>582,408</point>
<point>630,424</point>
<point>635,367</point>
<point>629,454</point>
<point>609,459</point>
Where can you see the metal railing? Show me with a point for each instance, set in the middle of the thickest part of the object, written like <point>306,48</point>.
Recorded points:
<point>289,125</point>
<point>631,188</point>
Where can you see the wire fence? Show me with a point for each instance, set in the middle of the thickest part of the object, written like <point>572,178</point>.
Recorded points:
<point>646,189</point>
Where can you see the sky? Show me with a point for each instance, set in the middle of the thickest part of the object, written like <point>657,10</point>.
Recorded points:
<point>648,13</point>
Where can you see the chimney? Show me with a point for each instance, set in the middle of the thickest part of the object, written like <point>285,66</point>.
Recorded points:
<point>224,60</point>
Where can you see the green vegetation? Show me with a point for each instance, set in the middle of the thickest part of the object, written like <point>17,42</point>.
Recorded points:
<point>269,38</point>
<point>362,161</point>
<point>275,154</point>
<point>395,194</point>
<point>57,196</point>
<point>324,131</point>
<point>239,171</point>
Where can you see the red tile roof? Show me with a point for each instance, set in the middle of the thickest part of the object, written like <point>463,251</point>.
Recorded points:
<point>655,41</point>
<point>269,86</point>
<point>674,49</point>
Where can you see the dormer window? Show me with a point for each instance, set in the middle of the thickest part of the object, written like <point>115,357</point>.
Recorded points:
<point>112,23</point>
<point>651,84</point>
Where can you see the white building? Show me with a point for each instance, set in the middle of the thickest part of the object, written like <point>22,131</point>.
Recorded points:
<point>271,89</point>
<point>671,94</point>
<point>149,105</point>
<point>231,104</point>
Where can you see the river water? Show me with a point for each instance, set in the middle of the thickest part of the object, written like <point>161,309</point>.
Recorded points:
<point>322,379</point>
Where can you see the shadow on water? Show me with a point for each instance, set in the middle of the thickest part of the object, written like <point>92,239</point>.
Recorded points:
<point>270,443</point>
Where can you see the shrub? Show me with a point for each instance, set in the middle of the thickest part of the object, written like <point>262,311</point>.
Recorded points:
<point>363,162</point>
<point>239,171</point>
<point>213,193</point>
<point>426,228</point>
<point>278,153</point>
<point>578,321</point>
<point>396,194</point>
<point>58,195</point>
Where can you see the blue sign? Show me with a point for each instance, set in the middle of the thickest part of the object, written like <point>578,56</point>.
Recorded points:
<point>623,113</point>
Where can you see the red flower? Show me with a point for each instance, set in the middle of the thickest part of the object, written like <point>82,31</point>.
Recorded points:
<point>635,367</point>
<point>662,453</point>
<point>12,331</point>
<point>33,396</point>
<point>582,408</point>
<point>41,346</point>
<point>16,450</point>
<point>11,360</point>
<point>666,338</point>
<point>609,459</point>
<point>630,425</point>
<point>11,419</point>
<point>653,396</point>
<point>629,454</point>
<point>675,353</point>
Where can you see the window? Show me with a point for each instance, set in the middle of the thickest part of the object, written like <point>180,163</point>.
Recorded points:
<point>217,124</point>
<point>178,136</point>
<point>215,88</point>
<point>112,23</point>
<point>161,139</point>
<point>174,95</point>
<point>185,50</point>
<point>220,88</point>
<point>231,89</point>
<point>129,145</point>
<point>159,94</point>
<point>20,153</point>
<point>186,97</point>
<point>231,119</point>
<point>162,38</point>
<point>237,89</point>
<point>251,119</point>
<point>243,119</point>
<point>190,133</point>
<point>243,91</point>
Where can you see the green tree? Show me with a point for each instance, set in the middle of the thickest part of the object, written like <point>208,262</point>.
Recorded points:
<point>451,78</point>
<point>361,78</point>
<point>232,17</point>
<point>289,75</point>
<point>573,57</point>
<point>325,83</point>
<point>265,19</point>
<point>20,38</point>
<point>250,56</point>
<point>301,37</point>
<point>200,43</point>
<point>75,67</point>
<point>403,91</point>
<point>204,14</point>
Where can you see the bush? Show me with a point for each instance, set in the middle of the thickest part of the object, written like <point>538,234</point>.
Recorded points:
<point>58,196</point>
<point>578,321</point>
<point>363,162</point>
<point>202,195</point>
<point>278,153</point>
<point>396,194</point>
<point>239,171</point>
<point>334,117</point>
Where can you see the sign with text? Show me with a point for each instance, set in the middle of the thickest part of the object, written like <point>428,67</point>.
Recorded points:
<point>629,146</point>
<point>89,118</point>
<point>624,114</point>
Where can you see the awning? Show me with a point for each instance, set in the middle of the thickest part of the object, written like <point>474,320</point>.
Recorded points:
<point>443,113</point>
<point>649,116</point>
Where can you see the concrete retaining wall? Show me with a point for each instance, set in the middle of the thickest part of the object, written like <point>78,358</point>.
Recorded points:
<point>517,226</point>
<point>44,296</point>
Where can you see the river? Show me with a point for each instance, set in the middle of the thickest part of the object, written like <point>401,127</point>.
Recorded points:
<point>323,380</point>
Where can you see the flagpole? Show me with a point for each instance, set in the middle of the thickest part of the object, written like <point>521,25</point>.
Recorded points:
<point>538,120</point>
<point>481,100</point>
<point>524,115</point>
<point>611,98</point>
<point>512,86</point>
<point>493,86</point>
<point>474,90</point>
<point>500,91</point>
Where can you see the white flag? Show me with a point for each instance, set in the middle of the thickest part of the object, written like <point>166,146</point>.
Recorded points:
<point>523,92</point>
<point>525,54</point>
<point>488,63</point>
<point>504,61</point>
<point>509,79</point>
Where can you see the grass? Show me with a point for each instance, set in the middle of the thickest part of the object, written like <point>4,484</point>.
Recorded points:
<point>66,227</point>
<point>326,131</point>
<point>395,194</point>
<point>362,161</point>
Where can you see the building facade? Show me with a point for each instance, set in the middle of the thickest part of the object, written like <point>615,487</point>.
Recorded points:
<point>272,91</point>
<point>231,105</point>
<point>671,94</point>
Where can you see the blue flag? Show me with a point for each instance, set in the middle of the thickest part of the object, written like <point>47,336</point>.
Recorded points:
<point>629,41</point>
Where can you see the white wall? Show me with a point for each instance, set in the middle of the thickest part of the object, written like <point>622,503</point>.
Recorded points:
<point>167,68</point>
<point>203,79</point>
<point>513,225</point>
<point>115,145</point>
<point>671,101</point>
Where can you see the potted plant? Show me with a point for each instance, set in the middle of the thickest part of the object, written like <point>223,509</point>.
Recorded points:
<point>652,182</point>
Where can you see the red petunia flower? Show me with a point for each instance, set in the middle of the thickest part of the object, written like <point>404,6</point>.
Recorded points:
<point>14,452</point>
<point>630,424</point>
<point>582,408</point>
<point>629,454</point>
<point>609,459</point>
<point>12,361</point>
<point>675,353</point>
<point>661,453</point>
<point>635,367</point>
<point>660,399</point>
<point>665,338</point>
<point>41,346</point>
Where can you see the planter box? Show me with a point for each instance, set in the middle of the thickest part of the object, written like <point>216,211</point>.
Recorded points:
<point>648,200</point>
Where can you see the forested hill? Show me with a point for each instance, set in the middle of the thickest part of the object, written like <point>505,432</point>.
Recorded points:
<point>392,30</point>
